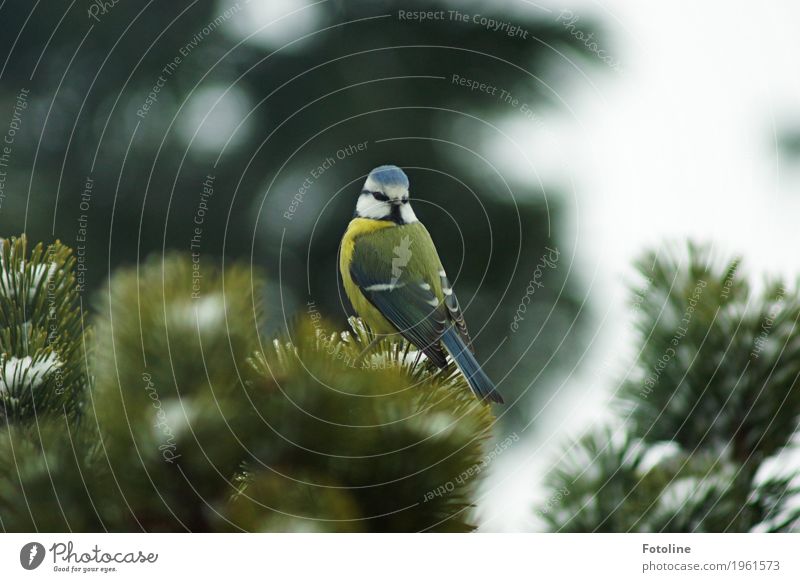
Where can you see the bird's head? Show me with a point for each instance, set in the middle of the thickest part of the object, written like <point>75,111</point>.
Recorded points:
<point>385,196</point>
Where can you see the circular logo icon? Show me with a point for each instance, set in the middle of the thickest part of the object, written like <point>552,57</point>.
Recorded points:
<point>31,555</point>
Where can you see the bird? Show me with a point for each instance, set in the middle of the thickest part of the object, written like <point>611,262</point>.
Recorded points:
<point>394,279</point>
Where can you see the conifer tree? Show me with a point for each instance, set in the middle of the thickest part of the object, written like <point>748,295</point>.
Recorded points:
<point>706,417</point>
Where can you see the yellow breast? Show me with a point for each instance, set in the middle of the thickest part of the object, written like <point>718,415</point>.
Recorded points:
<point>373,318</point>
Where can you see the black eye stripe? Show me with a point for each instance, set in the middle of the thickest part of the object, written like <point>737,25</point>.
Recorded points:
<point>377,195</point>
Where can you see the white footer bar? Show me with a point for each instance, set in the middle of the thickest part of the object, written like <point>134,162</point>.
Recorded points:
<point>402,557</point>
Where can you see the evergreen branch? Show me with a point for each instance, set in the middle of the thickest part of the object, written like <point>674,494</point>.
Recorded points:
<point>42,364</point>
<point>716,377</point>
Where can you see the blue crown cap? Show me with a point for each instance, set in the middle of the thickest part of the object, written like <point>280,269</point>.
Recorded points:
<point>389,176</point>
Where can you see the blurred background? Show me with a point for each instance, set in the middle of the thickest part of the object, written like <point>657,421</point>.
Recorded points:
<point>586,131</point>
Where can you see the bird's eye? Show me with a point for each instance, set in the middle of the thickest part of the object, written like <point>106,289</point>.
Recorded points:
<point>380,196</point>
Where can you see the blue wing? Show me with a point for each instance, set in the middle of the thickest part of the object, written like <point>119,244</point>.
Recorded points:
<point>411,307</point>
<point>454,311</point>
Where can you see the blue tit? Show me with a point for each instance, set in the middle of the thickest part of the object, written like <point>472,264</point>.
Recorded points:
<point>394,278</point>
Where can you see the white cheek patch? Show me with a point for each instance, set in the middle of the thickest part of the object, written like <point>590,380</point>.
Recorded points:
<point>368,207</point>
<point>407,213</point>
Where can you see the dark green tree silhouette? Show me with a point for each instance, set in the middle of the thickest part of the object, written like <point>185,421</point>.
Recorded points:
<point>132,184</point>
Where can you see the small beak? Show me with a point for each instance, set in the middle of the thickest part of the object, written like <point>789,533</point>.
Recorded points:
<point>399,201</point>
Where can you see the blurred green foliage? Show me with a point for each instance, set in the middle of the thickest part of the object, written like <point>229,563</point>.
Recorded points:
<point>193,425</point>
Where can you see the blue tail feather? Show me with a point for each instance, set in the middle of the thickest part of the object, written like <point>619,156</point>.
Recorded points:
<point>478,380</point>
